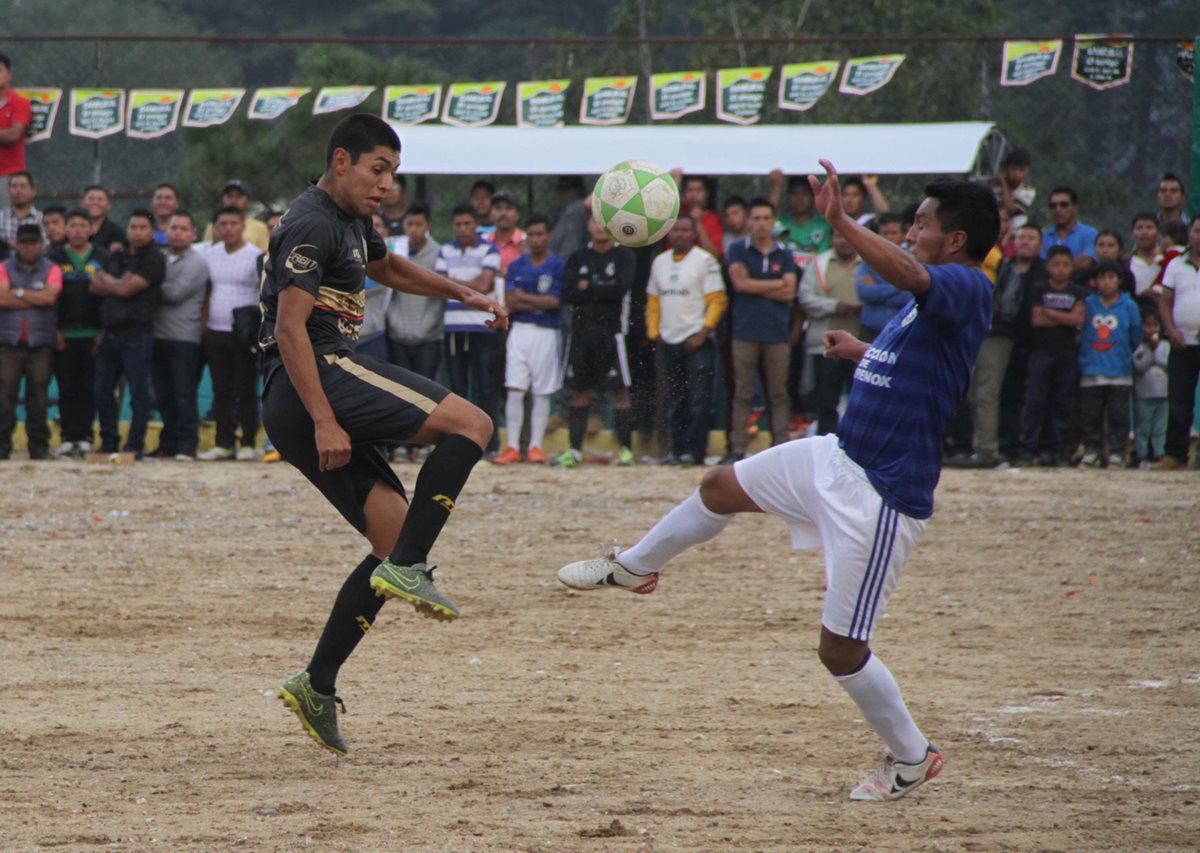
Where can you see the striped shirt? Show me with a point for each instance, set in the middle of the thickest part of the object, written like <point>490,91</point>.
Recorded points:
<point>234,277</point>
<point>464,264</point>
<point>10,221</point>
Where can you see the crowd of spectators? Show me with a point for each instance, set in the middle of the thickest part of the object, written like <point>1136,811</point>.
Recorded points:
<point>1090,343</point>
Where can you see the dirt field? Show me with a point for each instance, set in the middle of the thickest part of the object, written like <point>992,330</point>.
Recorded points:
<point>1047,635</point>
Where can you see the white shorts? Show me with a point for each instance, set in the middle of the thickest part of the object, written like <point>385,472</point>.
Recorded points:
<point>533,359</point>
<point>827,500</point>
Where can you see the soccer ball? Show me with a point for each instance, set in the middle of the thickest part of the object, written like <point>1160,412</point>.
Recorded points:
<point>636,203</point>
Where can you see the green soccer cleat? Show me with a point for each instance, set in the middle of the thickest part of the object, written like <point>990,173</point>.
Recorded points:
<point>568,459</point>
<point>624,456</point>
<point>317,712</point>
<point>413,584</point>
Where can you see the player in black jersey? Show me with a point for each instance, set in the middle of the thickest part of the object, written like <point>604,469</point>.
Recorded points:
<point>335,414</point>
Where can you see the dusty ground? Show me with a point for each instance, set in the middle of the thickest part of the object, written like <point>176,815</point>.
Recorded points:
<point>1047,633</point>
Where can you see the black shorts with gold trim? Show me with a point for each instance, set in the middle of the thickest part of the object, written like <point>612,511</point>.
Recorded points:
<point>379,405</point>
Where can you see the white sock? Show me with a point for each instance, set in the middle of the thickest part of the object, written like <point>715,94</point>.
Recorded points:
<point>874,689</point>
<point>688,524</point>
<point>514,417</point>
<point>538,417</point>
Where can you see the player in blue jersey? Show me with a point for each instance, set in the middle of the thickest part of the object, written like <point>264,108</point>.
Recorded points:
<point>534,296</point>
<point>865,493</point>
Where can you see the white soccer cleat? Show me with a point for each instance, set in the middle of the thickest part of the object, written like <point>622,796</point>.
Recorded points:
<point>894,779</point>
<point>606,572</point>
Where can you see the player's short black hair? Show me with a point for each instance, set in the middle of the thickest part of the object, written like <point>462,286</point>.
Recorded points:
<point>358,134</point>
<point>760,201</point>
<point>464,210</point>
<point>799,182</point>
<point>187,214</point>
<point>735,201</point>
<point>1063,189</point>
<point>536,219</point>
<point>418,208</point>
<point>141,213</point>
<point>970,208</point>
<point>25,175</point>
<point>1055,251</point>
<point>1177,231</point>
<point>1108,266</point>
<point>230,210</point>
<point>98,187</point>
<point>483,185</point>
<point>889,218</point>
<point>854,181</point>
<point>1145,216</point>
<point>1171,176</point>
<point>167,186</point>
<point>1029,223</point>
<point>1108,232</point>
<point>1017,157</point>
<point>78,213</point>
<point>61,211</point>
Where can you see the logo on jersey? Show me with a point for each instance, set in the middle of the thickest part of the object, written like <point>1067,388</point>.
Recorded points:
<point>445,501</point>
<point>544,283</point>
<point>910,316</point>
<point>1105,325</point>
<point>300,263</point>
<point>611,269</point>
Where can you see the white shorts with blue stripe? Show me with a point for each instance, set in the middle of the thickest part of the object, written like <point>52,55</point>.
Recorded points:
<point>828,502</point>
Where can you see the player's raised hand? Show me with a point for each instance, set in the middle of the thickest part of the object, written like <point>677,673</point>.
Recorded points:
<point>828,196</point>
<point>485,303</point>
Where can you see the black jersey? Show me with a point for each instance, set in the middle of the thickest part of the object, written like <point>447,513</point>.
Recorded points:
<point>609,276</point>
<point>324,251</point>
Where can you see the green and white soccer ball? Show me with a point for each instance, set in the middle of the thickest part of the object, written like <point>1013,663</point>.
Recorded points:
<point>636,203</point>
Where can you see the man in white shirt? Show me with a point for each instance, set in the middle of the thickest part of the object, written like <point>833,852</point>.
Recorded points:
<point>1180,305</point>
<point>685,299</point>
<point>233,271</point>
<point>1146,261</point>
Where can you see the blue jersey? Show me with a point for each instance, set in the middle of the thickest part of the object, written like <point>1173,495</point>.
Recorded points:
<point>542,280</point>
<point>907,386</point>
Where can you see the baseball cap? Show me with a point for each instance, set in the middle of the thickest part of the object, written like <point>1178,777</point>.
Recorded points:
<point>29,233</point>
<point>235,184</point>
<point>506,196</point>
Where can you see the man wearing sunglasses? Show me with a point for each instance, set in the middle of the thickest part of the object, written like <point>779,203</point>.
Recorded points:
<point>1067,230</point>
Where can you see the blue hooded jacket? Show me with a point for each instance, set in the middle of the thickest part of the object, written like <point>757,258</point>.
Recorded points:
<point>1110,335</point>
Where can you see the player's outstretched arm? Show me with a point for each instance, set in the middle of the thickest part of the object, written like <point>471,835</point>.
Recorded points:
<point>889,261</point>
<point>841,344</point>
<point>402,274</point>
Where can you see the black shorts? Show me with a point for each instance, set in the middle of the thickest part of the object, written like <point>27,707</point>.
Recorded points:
<point>596,360</point>
<point>379,406</point>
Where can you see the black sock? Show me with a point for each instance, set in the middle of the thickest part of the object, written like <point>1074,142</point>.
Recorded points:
<point>623,426</point>
<point>442,477</point>
<point>353,613</point>
<point>577,418</point>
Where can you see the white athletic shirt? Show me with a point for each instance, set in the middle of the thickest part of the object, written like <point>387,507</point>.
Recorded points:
<point>1183,278</point>
<point>234,280</point>
<point>681,287</point>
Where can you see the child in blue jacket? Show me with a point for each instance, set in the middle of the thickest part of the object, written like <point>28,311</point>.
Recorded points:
<point>1112,330</point>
